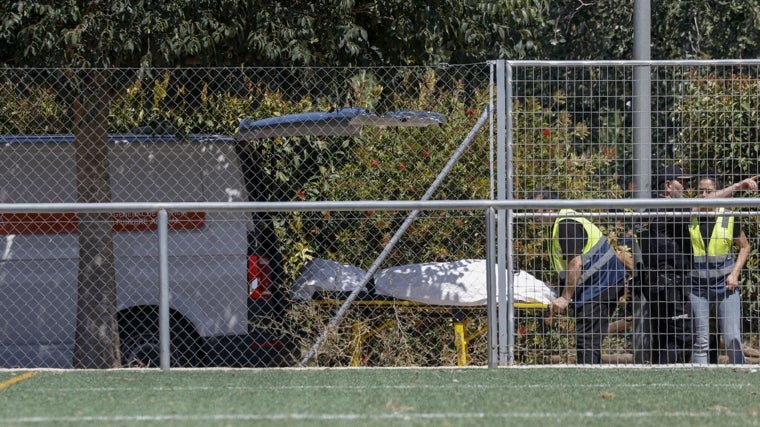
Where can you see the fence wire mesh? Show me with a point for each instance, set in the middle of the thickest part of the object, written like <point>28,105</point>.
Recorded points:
<point>79,283</point>
<point>258,288</point>
<point>585,132</point>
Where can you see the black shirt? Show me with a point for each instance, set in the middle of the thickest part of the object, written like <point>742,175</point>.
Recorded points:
<point>665,241</point>
<point>572,238</point>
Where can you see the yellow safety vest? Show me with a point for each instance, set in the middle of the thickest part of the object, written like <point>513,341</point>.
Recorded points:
<point>596,243</point>
<point>716,260</point>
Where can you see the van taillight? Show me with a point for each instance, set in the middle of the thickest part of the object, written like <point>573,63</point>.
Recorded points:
<point>259,277</point>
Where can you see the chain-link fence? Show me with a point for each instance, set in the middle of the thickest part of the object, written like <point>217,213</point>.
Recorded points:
<point>246,288</point>
<point>262,287</point>
<point>595,131</point>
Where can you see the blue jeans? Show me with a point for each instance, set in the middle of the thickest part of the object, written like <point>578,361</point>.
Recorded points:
<point>728,308</point>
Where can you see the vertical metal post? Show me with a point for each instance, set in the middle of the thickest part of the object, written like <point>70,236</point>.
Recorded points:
<point>491,340</point>
<point>163,307</point>
<point>509,195</point>
<point>502,130</point>
<point>642,152</point>
<point>642,102</point>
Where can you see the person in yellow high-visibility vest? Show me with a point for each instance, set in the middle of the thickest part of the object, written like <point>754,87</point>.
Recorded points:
<point>667,256</point>
<point>715,277</point>
<point>591,276</point>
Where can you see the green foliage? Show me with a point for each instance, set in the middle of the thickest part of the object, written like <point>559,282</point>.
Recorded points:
<point>35,112</point>
<point>76,34</point>
<point>376,32</point>
<point>184,104</point>
<point>459,32</point>
<point>720,124</point>
<point>232,32</point>
<point>593,30</point>
<point>603,29</point>
<point>401,164</point>
<point>705,29</point>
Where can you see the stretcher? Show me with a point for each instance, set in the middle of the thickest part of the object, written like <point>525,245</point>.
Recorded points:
<point>361,330</point>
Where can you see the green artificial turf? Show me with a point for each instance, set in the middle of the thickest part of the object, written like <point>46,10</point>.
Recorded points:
<point>556,396</point>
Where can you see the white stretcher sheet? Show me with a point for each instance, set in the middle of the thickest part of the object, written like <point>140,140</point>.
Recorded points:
<point>458,283</point>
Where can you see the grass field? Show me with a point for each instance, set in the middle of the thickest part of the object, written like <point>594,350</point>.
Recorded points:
<point>552,396</point>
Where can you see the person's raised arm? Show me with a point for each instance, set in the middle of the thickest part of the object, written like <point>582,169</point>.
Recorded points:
<point>748,184</point>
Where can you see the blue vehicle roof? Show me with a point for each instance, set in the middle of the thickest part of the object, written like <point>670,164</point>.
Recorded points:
<point>339,122</point>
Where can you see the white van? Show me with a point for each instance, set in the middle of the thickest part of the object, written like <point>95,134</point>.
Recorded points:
<point>208,252</point>
<point>225,270</point>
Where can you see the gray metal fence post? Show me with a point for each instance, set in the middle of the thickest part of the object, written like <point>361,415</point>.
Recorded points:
<point>503,131</point>
<point>163,308</point>
<point>491,310</point>
<point>509,264</point>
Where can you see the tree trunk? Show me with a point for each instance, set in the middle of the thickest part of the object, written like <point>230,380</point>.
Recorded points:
<point>97,338</point>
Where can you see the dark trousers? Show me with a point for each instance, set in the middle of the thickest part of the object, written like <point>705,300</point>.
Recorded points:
<point>591,322</point>
<point>669,322</point>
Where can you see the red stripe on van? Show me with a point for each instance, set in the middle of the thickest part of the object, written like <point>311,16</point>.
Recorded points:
<point>38,223</point>
<point>63,223</point>
<point>148,221</point>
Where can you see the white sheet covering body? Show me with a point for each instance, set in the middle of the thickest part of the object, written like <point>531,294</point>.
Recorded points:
<point>458,283</point>
<point>324,275</point>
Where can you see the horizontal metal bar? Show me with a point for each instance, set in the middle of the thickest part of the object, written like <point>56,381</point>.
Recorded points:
<point>633,63</point>
<point>382,205</point>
